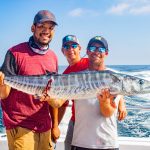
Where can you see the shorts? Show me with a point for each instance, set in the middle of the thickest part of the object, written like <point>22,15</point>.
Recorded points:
<point>24,139</point>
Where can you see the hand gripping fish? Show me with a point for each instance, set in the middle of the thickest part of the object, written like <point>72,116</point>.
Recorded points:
<point>80,85</point>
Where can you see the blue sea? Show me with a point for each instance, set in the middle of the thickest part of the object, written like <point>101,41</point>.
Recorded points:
<point>137,122</point>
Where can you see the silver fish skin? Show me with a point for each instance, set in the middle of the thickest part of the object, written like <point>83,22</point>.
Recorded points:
<point>80,85</point>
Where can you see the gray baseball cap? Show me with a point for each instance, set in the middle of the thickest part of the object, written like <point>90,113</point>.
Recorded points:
<point>44,15</point>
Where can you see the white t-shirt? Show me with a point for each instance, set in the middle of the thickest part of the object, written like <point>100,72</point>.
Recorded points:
<point>92,129</point>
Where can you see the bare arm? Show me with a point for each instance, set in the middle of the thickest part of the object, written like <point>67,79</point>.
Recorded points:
<point>58,105</point>
<point>55,103</point>
<point>61,112</point>
<point>107,106</point>
<point>58,114</point>
<point>55,131</point>
<point>4,89</point>
<point>122,111</point>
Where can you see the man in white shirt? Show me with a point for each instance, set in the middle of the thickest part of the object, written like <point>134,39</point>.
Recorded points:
<point>95,122</point>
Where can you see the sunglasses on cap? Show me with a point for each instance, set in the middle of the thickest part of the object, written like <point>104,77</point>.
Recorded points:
<point>70,46</point>
<point>94,48</point>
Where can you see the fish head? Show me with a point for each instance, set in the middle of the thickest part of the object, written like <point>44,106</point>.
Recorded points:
<point>144,86</point>
<point>134,85</point>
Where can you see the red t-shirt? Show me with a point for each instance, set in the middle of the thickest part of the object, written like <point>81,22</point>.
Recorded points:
<point>21,109</point>
<point>79,66</point>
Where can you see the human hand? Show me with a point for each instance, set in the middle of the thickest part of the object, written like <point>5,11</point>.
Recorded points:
<point>47,98</point>
<point>106,103</point>
<point>55,134</point>
<point>4,89</point>
<point>1,78</point>
<point>122,111</point>
<point>55,103</point>
<point>106,98</point>
<point>44,97</point>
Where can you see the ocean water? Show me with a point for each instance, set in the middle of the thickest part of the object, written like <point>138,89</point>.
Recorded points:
<point>137,122</point>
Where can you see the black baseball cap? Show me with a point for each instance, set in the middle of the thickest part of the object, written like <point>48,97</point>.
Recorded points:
<point>100,40</point>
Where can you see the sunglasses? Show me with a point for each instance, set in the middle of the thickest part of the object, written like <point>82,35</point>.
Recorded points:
<point>94,48</point>
<point>70,46</point>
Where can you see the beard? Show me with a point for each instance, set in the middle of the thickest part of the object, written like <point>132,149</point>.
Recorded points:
<point>42,41</point>
<point>96,63</point>
<point>43,44</point>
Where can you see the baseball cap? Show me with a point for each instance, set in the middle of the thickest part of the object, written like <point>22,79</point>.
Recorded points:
<point>70,38</point>
<point>100,40</point>
<point>44,15</point>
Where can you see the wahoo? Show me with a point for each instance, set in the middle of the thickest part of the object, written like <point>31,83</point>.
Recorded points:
<point>79,85</point>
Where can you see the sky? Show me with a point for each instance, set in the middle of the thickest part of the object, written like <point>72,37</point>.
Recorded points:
<point>125,24</point>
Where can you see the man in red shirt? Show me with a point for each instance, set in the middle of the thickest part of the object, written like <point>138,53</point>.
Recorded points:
<point>76,64</point>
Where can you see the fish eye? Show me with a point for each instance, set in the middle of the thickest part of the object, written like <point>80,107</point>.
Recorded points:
<point>141,81</point>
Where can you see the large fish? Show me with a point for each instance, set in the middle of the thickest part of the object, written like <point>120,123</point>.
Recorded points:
<point>79,85</point>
